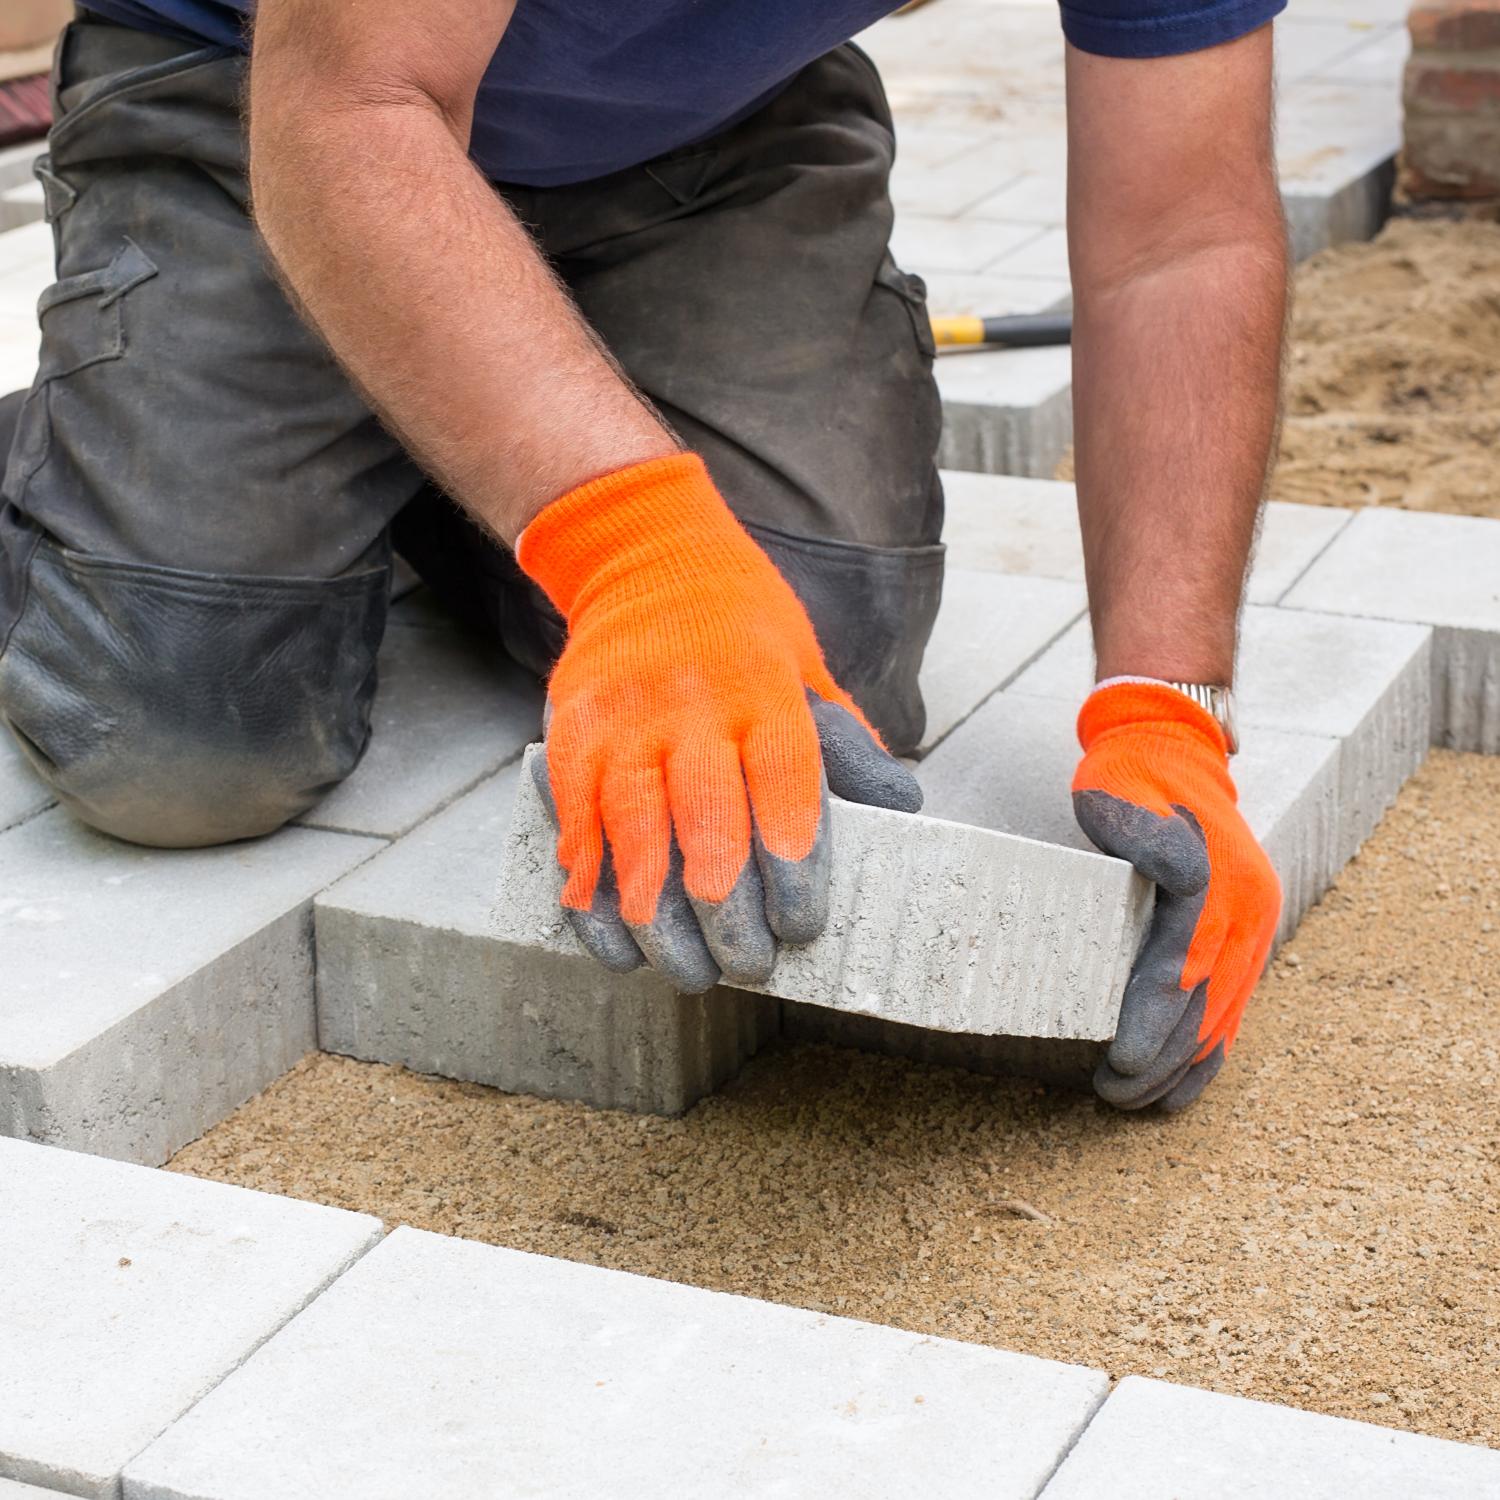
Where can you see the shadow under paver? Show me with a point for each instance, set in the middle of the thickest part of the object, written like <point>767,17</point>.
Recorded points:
<point>146,993</point>
<point>1443,571</point>
<point>411,971</point>
<point>126,1294</point>
<point>1151,1440</point>
<point>931,924</point>
<point>443,1367</point>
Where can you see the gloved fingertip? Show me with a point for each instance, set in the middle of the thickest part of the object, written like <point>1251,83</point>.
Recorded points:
<point>737,931</point>
<point>796,890</point>
<point>1169,851</point>
<point>607,940</point>
<point>1194,1081</point>
<point>858,767</point>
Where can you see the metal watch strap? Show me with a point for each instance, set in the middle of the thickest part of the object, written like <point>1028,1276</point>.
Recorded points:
<point>1217,700</point>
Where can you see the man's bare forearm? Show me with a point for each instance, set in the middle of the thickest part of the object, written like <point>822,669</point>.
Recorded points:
<point>429,291</point>
<point>1180,291</point>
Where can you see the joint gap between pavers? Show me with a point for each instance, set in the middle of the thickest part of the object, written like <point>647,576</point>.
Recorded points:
<point>376,1236</point>
<point>25,818</point>
<point>1001,686</point>
<point>1041,1492</point>
<point>1333,536</point>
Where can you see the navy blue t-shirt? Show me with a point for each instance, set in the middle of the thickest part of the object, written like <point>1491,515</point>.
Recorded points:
<point>579,88</point>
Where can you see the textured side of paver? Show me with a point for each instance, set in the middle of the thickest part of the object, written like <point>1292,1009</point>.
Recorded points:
<point>411,972</point>
<point>1151,1439</point>
<point>1366,683</point>
<point>1442,571</point>
<point>443,1367</point>
<point>127,1294</point>
<point>931,924</point>
<point>146,993</point>
<point>450,710</point>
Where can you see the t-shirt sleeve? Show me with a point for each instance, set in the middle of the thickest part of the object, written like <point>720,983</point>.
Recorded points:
<point>1161,28</point>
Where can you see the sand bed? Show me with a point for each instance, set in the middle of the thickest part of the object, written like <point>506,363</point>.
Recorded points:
<point>1321,1229</point>
<point>1393,373</point>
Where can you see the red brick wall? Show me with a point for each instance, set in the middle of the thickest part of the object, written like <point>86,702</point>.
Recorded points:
<point>1453,100</point>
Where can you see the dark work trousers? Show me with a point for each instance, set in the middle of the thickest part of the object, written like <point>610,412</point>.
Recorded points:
<point>199,511</point>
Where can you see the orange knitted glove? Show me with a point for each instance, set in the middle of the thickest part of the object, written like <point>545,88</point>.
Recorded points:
<point>691,721</point>
<point>1153,788</point>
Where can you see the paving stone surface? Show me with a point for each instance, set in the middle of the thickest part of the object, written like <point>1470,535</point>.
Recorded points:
<point>444,1367</point>
<point>11,1489</point>
<point>1440,570</point>
<point>127,1294</point>
<point>145,993</point>
<point>440,691</point>
<point>977,93</point>
<point>931,924</point>
<point>1151,1440</point>
<point>1009,768</point>
<point>988,629</point>
<point>22,791</point>
<point>1365,683</point>
<point>410,971</point>
<point>1002,523</point>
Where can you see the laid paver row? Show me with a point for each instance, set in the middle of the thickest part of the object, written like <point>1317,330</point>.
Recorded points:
<point>980,191</point>
<point>198,968</point>
<point>169,1338</point>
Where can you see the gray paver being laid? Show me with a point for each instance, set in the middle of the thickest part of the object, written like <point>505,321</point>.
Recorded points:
<point>443,1367</point>
<point>145,993</point>
<point>127,1294</point>
<point>22,791</point>
<point>931,924</point>
<point>1030,526</point>
<point>1440,570</point>
<point>988,628</point>
<point>410,972</point>
<point>1365,683</point>
<point>1151,1439</point>
<point>450,710</point>
<point>1009,767</point>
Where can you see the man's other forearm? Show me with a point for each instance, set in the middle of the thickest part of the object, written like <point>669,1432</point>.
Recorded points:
<point>433,297</point>
<point>1178,328</point>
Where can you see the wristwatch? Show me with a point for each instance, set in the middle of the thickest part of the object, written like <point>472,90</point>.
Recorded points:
<point>1218,701</point>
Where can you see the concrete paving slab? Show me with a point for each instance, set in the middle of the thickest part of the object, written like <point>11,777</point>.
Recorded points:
<point>1013,525</point>
<point>129,1294</point>
<point>1007,411</point>
<point>948,245</point>
<point>932,924</point>
<point>444,1367</point>
<point>145,993</point>
<point>22,791</point>
<point>450,710</point>
<point>988,628</point>
<point>1151,1439</point>
<point>1365,683</point>
<point>410,971</point>
<point>1443,571</point>
<point>1009,767</point>
<point>10,1489</point>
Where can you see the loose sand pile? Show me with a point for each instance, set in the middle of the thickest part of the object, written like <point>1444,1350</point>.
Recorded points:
<point>1320,1229</point>
<point>1393,377</point>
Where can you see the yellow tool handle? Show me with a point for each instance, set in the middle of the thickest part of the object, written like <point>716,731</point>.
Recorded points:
<point>948,332</point>
<point>1018,331</point>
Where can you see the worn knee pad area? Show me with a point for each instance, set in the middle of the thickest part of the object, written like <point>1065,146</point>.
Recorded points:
<point>177,709</point>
